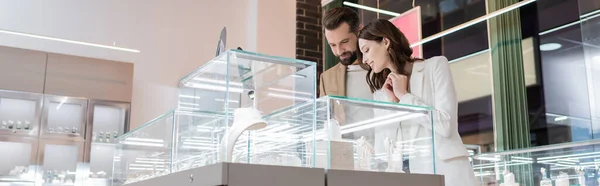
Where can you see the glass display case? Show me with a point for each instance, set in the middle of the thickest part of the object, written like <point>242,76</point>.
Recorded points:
<point>357,134</point>
<point>61,162</point>
<point>107,121</point>
<point>20,113</point>
<point>145,152</point>
<point>230,100</point>
<point>19,164</point>
<point>64,117</point>
<point>576,163</point>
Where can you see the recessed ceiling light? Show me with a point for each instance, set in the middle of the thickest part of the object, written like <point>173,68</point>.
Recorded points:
<point>550,46</point>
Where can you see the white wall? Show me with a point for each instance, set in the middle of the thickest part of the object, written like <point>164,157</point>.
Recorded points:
<point>174,37</point>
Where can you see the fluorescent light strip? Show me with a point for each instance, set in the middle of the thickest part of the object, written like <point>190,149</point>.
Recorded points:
<point>142,144</point>
<point>468,56</point>
<point>150,159</point>
<point>386,117</point>
<point>69,41</point>
<point>232,101</point>
<point>191,97</point>
<point>371,9</point>
<point>290,91</point>
<point>145,140</point>
<point>582,18</point>
<point>568,156</point>
<point>151,162</point>
<point>213,87</point>
<point>472,22</point>
<point>222,82</point>
<point>190,104</point>
<point>277,95</point>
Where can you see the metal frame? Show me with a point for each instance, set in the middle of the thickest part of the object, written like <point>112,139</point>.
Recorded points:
<point>71,100</point>
<point>35,122</point>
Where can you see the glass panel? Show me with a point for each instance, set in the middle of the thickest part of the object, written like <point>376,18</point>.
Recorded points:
<point>17,114</point>
<point>64,117</point>
<point>199,138</point>
<point>101,164</point>
<point>144,153</point>
<point>590,29</point>
<point>61,164</point>
<point>17,164</point>
<point>267,83</point>
<point>255,87</point>
<point>355,134</point>
<point>20,113</point>
<point>565,164</point>
<point>109,123</point>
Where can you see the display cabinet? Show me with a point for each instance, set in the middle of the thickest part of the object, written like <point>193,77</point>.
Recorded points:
<point>367,135</point>
<point>19,164</point>
<point>576,163</point>
<point>64,117</point>
<point>232,97</point>
<point>107,120</point>
<point>20,113</point>
<point>145,152</point>
<point>61,162</point>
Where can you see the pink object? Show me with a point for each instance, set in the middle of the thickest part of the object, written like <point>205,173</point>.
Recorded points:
<point>409,24</point>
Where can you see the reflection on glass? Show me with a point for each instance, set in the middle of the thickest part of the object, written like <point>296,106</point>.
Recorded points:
<point>65,117</point>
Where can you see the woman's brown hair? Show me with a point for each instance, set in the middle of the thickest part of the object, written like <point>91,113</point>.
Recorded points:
<point>399,50</point>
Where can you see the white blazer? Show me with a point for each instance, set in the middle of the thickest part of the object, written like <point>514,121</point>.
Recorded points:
<point>431,85</point>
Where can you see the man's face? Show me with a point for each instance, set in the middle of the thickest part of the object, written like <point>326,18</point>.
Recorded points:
<point>343,43</point>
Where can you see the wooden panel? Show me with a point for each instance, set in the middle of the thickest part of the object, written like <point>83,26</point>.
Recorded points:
<point>22,70</point>
<point>90,78</point>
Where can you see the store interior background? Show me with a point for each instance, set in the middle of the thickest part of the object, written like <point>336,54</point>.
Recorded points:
<point>176,37</point>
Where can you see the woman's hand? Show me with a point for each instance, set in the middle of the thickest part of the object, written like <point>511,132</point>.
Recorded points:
<point>398,83</point>
<point>389,90</point>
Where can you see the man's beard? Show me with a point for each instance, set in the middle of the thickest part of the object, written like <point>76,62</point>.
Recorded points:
<point>349,60</point>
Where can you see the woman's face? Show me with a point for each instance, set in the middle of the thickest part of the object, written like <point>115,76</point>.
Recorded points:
<point>374,54</point>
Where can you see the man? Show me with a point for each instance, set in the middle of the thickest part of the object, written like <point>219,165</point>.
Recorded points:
<point>347,78</point>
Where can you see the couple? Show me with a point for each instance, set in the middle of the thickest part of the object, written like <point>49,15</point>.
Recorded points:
<point>379,57</point>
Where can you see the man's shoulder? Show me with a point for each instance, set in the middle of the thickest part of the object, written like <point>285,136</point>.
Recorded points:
<point>339,68</point>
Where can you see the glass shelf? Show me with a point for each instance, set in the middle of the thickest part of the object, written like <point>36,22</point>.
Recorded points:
<point>239,79</point>
<point>20,113</point>
<point>19,164</point>
<point>64,117</point>
<point>351,134</point>
<point>578,161</point>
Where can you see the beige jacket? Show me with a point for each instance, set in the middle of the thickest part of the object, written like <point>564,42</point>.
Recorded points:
<point>333,81</point>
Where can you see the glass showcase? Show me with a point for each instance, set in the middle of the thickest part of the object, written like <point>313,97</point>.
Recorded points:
<point>576,163</point>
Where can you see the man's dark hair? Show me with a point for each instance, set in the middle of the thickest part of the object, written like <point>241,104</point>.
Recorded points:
<point>335,17</point>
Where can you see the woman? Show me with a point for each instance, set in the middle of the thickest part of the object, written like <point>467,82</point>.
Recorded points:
<point>396,76</point>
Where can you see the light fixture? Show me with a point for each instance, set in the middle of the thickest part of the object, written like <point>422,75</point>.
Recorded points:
<point>472,22</point>
<point>380,121</point>
<point>141,143</point>
<point>290,91</point>
<point>69,41</point>
<point>550,46</point>
<point>561,118</point>
<point>213,87</point>
<point>145,140</point>
<point>371,9</point>
<point>284,96</point>
<point>191,97</point>
<point>582,18</point>
<point>222,82</point>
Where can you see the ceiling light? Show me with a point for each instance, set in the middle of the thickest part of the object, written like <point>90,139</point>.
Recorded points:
<point>472,22</point>
<point>69,41</point>
<point>561,118</point>
<point>550,46</point>
<point>371,9</point>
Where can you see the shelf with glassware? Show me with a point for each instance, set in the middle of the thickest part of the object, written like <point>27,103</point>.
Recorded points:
<point>58,126</point>
<point>574,163</point>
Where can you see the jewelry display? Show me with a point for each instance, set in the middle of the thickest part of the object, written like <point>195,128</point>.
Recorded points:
<point>545,180</point>
<point>580,175</point>
<point>4,125</point>
<point>244,119</point>
<point>509,179</point>
<point>27,125</point>
<point>16,125</point>
<point>19,125</point>
<point>11,124</point>
<point>365,153</point>
<point>562,179</point>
